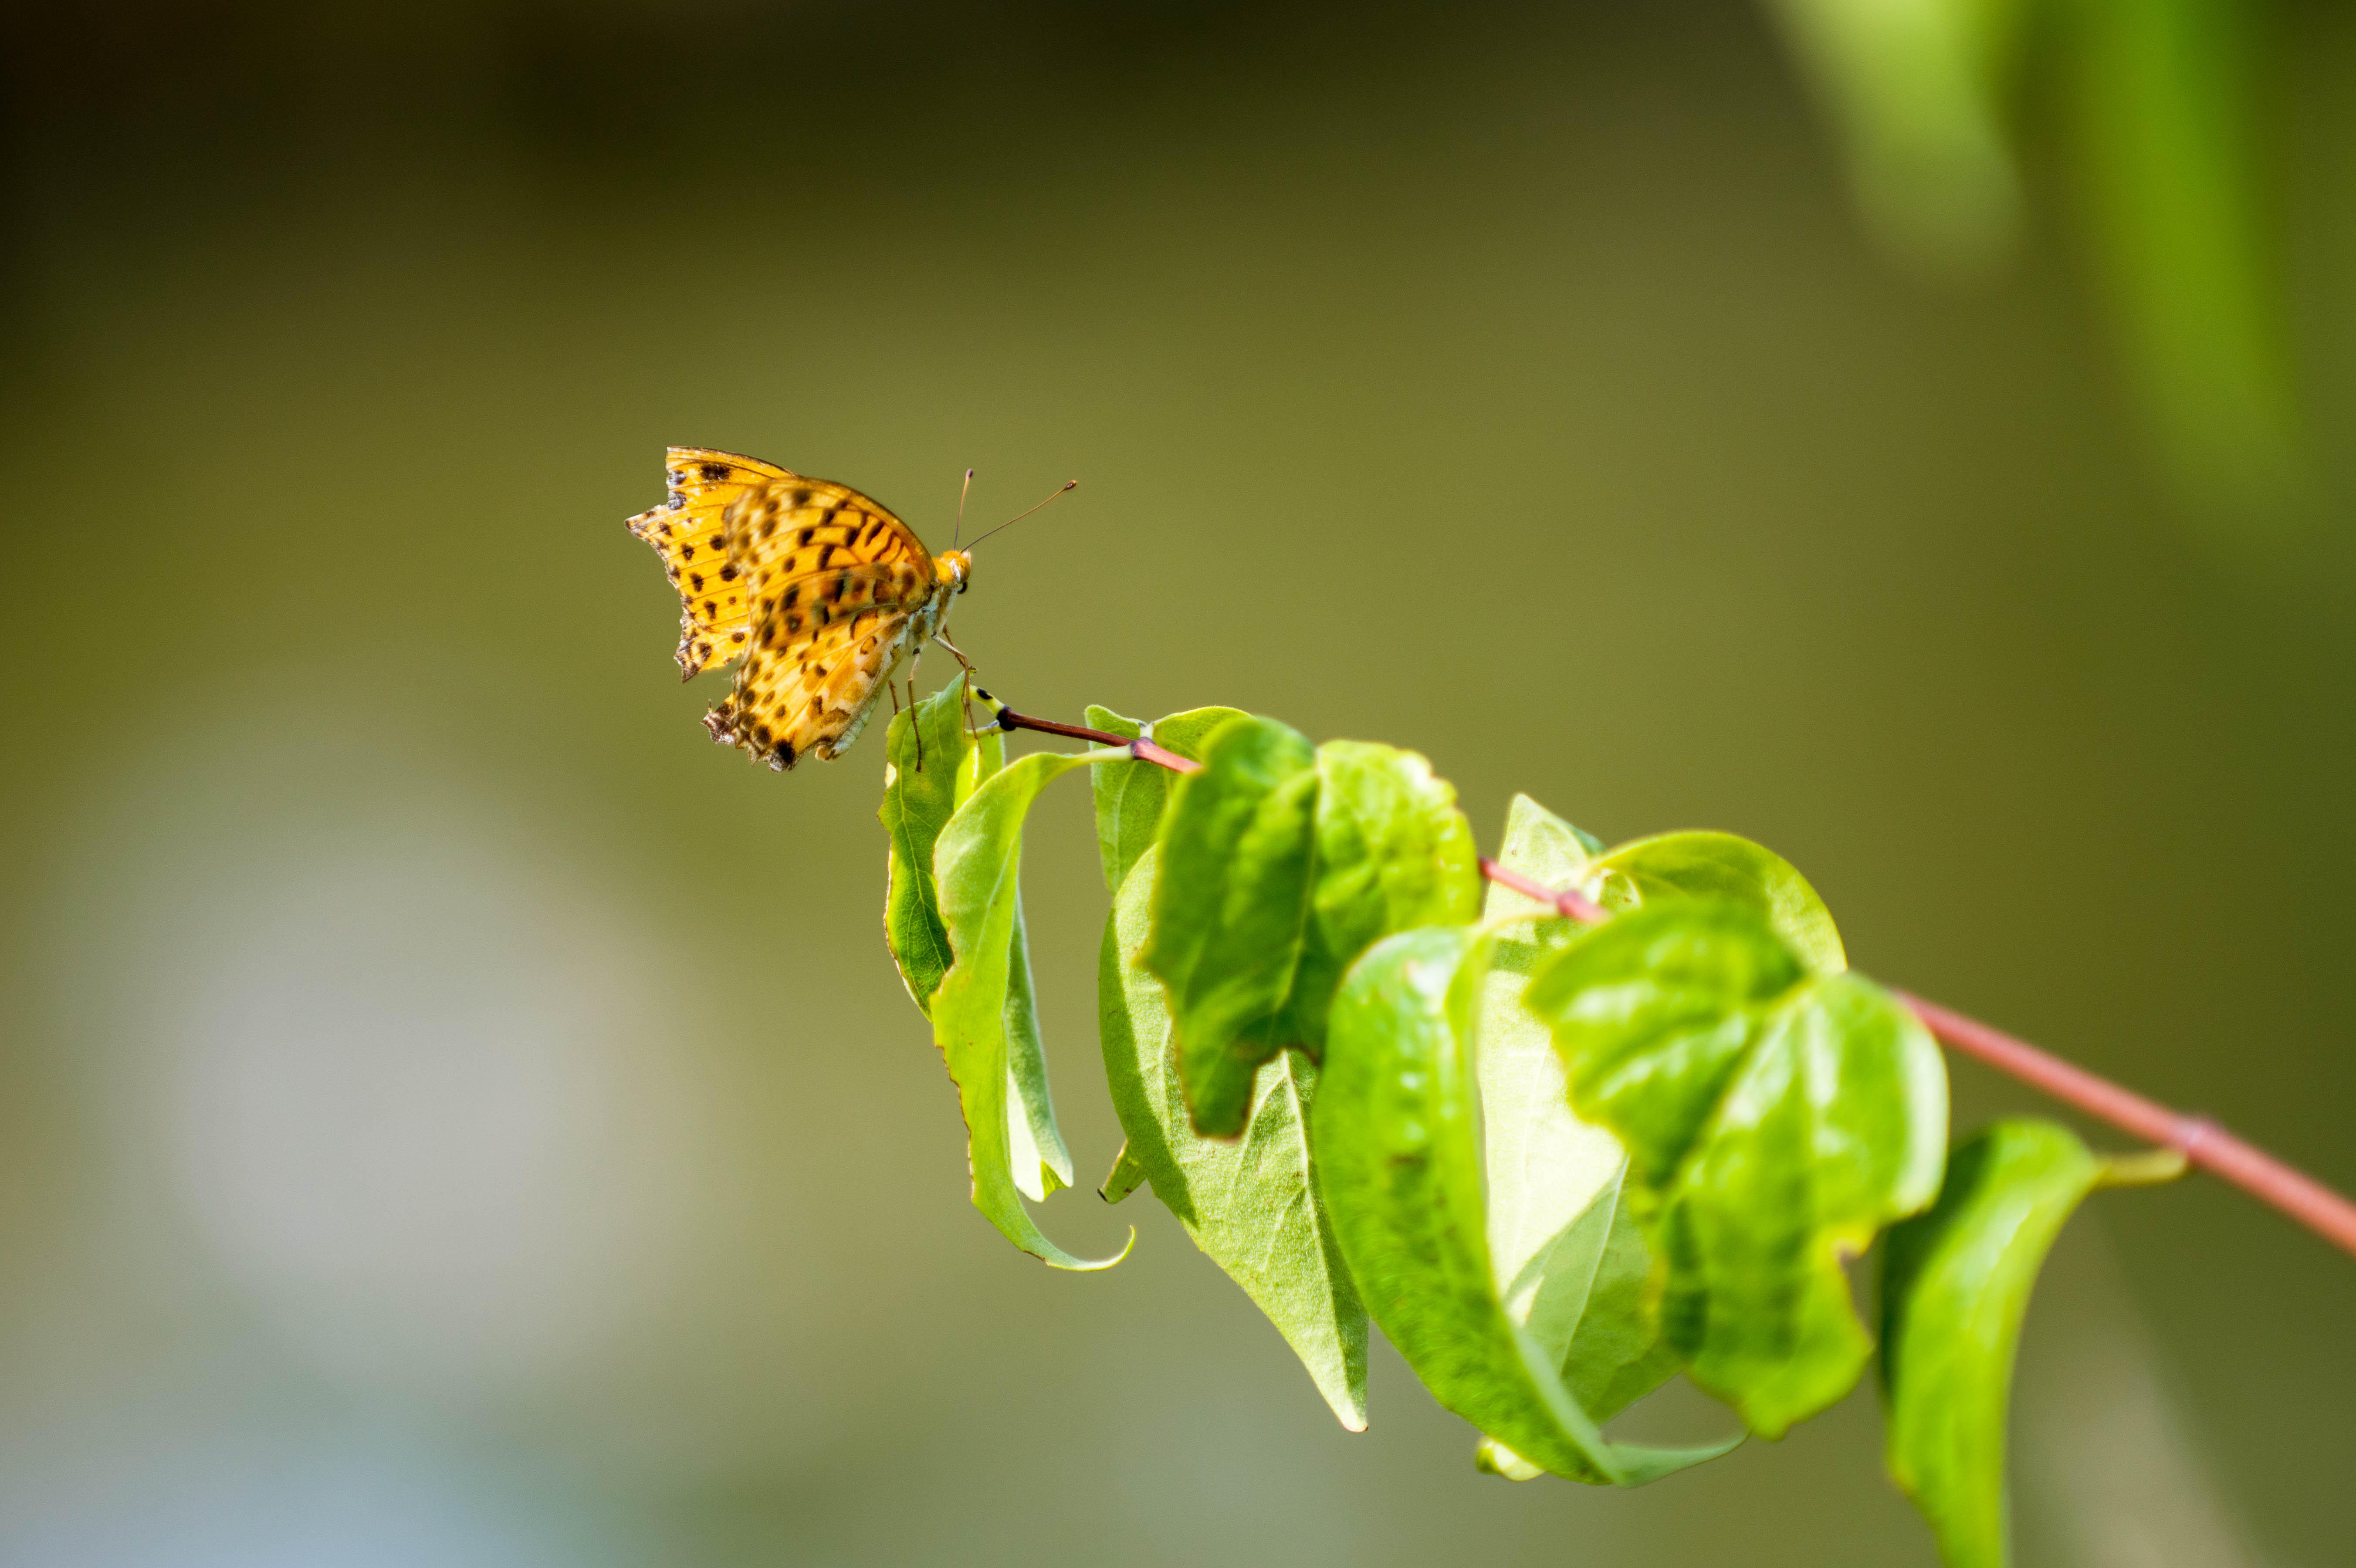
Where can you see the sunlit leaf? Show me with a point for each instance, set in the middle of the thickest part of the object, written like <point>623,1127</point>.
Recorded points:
<point>1570,1263</point>
<point>1396,1132</point>
<point>1721,866</point>
<point>1776,1117</point>
<point>1955,1285</point>
<point>1249,1202</point>
<point>982,1009</point>
<point>918,802</point>
<point>1237,854</point>
<point>1280,867</point>
<point>1393,853</point>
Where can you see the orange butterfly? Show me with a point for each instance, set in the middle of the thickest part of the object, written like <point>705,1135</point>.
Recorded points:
<point>821,590</point>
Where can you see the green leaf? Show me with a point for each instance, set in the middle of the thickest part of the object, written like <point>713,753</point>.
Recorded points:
<point>1249,1202</point>
<point>1229,905</point>
<point>1570,1256</point>
<point>1955,1285</point>
<point>2172,107</point>
<point>918,802</point>
<point>1397,1140</point>
<point>1916,92</point>
<point>1259,919</point>
<point>1569,1261</point>
<point>982,1020</point>
<point>1775,1119</point>
<point>1393,853</point>
<point>1721,866</point>
<point>1039,1161</point>
<point>1130,795</point>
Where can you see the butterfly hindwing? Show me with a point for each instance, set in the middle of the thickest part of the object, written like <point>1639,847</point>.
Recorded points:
<point>688,531</point>
<point>809,690</point>
<point>835,586</point>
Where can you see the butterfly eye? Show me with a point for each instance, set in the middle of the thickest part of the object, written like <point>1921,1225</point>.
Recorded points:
<point>964,583</point>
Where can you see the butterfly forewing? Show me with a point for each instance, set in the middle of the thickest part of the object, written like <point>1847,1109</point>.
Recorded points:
<point>687,530</point>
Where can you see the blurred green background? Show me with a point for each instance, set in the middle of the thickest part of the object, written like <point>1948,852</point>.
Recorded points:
<point>452,1113</point>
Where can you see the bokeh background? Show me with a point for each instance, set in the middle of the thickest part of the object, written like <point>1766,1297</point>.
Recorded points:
<point>452,1113</point>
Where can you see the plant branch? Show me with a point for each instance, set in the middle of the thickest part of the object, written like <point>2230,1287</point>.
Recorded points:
<point>2201,1141</point>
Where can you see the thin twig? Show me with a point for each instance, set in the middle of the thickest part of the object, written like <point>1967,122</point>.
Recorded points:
<point>1143,749</point>
<point>2199,1140</point>
<point>1570,901</point>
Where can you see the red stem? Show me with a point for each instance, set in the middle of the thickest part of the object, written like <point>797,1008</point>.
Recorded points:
<point>2202,1141</point>
<point>1570,901</point>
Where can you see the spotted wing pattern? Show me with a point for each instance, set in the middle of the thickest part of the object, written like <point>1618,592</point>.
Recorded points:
<point>837,588</point>
<point>687,530</point>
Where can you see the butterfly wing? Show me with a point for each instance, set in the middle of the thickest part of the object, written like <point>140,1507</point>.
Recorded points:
<point>687,530</point>
<point>838,589</point>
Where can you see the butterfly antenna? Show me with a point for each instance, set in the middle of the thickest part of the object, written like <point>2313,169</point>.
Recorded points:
<point>960,522</point>
<point>1068,485</point>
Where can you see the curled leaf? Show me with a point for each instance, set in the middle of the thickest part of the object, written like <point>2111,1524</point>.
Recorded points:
<point>917,803</point>
<point>982,1020</point>
<point>1955,1285</point>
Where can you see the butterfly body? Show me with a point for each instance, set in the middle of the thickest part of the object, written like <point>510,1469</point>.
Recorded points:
<point>819,590</point>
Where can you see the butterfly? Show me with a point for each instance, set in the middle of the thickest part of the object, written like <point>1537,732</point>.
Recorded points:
<point>819,589</point>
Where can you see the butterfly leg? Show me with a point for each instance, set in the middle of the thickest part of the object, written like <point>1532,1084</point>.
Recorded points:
<point>915,719</point>
<point>956,653</point>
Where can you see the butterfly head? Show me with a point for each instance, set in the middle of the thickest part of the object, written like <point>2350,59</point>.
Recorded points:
<point>955,569</point>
